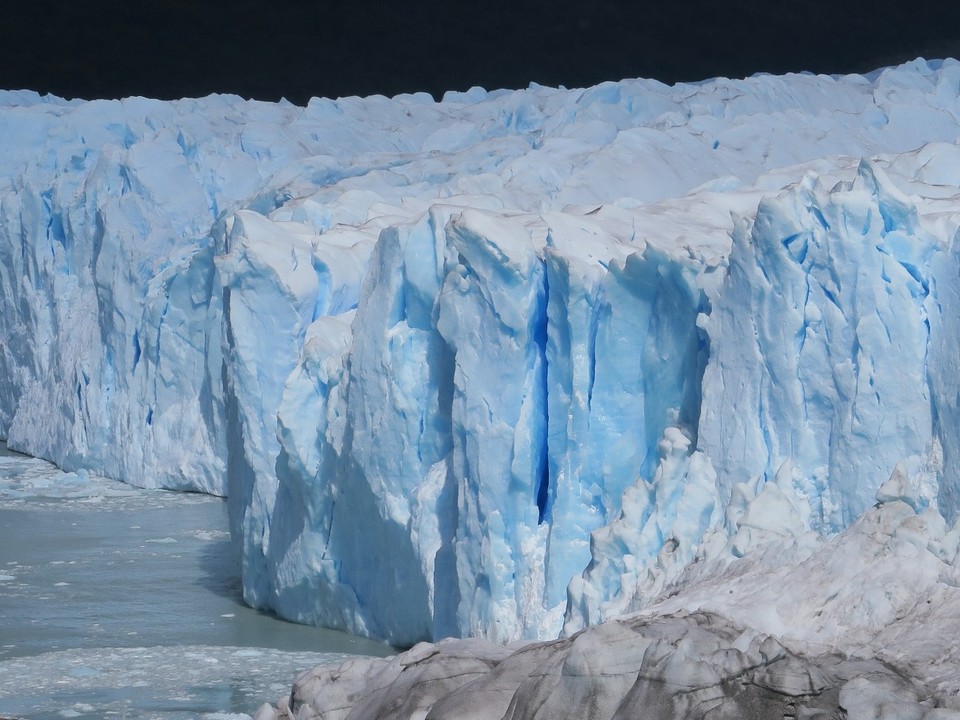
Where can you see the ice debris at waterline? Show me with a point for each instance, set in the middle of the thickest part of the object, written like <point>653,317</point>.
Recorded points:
<point>503,364</point>
<point>172,681</point>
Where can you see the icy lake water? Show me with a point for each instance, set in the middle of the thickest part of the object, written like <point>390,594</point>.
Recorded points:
<point>124,603</point>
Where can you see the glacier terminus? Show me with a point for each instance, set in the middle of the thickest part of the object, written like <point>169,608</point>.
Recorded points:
<point>525,365</point>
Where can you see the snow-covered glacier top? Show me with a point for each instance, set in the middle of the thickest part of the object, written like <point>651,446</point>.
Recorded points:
<point>498,364</point>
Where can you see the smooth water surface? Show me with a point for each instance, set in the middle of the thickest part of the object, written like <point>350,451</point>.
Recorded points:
<point>118,602</point>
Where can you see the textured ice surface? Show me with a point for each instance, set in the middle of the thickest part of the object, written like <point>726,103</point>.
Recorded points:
<point>515,357</point>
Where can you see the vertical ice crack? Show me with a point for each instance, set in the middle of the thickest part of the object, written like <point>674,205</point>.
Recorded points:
<point>543,465</point>
<point>136,348</point>
<point>592,351</point>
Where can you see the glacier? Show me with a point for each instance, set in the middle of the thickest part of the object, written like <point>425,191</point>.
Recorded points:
<point>506,365</point>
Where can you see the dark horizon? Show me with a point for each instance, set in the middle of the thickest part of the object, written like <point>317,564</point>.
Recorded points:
<point>169,49</point>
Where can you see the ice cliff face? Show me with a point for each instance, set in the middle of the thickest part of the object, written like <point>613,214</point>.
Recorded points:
<point>502,363</point>
<point>824,328</point>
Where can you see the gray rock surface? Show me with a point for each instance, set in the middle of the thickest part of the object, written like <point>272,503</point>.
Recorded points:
<point>688,665</point>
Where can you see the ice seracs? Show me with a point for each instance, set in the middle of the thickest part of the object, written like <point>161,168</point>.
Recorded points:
<point>520,358</point>
<point>823,331</point>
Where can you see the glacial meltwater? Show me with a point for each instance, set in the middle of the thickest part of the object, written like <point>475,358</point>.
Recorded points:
<point>124,603</point>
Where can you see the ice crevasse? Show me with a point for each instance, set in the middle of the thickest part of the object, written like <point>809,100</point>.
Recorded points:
<point>499,365</point>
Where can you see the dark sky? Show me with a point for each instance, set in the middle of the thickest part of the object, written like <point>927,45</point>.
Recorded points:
<point>272,49</point>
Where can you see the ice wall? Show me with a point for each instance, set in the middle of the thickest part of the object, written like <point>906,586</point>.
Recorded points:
<point>825,327</point>
<point>463,367</point>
